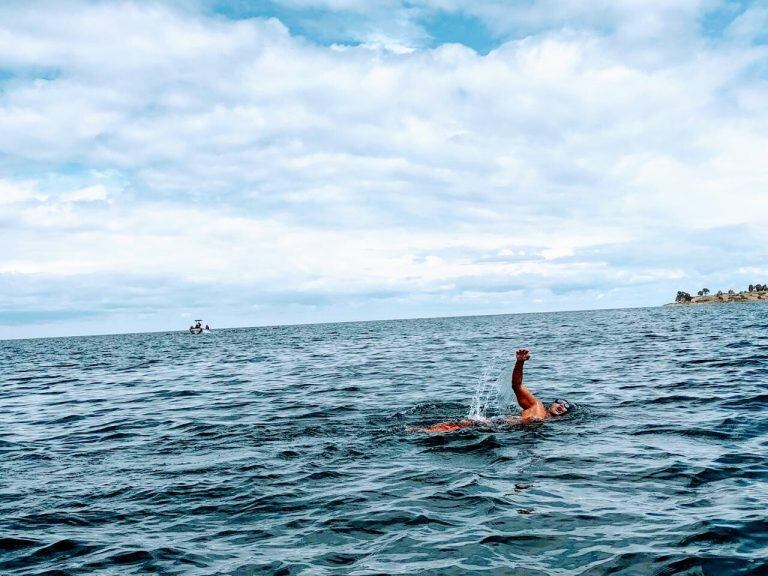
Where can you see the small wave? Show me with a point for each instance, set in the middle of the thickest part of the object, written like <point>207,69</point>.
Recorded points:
<point>513,539</point>
<point>284,451</point>
<point>696,432</point>
<point>324,475</point>
<point>377,522</point>
<point>8,544</point>
<point>274,568</point>
<point>715,532</point>
<point>58,551</point>
<point>754,402</point>
<point>482,445</point>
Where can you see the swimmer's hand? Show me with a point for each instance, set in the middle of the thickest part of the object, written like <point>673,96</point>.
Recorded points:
<point>522,355</point>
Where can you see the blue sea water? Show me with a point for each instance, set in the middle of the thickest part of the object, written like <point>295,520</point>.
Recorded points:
<point>284,450</point>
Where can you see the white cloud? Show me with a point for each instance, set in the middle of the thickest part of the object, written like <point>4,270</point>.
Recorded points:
<point>20,191</point>
<point>88,194</point>
<point>250,158</point>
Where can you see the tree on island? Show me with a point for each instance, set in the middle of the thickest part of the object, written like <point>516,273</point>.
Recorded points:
<point>731,292</point>
<point>751,287</point>
<point>682,297</point>
<point>705,291</point>
<point>719,292</point>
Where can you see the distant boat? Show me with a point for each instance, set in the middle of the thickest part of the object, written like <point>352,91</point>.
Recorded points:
<point>198,328</point>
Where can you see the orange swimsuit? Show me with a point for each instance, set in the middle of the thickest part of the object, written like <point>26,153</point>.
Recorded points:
<point>448,426</point>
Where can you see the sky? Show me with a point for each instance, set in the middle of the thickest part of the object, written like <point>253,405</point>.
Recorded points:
<point>294,161</point>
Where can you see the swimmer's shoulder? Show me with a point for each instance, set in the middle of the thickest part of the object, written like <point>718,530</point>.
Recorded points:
<point>537,412</point>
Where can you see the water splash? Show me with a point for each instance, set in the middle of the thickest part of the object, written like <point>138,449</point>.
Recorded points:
<point>488,392</point>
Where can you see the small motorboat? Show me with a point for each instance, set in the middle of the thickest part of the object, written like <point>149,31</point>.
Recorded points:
<point>198,328</point>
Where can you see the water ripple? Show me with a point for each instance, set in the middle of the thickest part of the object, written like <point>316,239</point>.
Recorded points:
<point>287,450</point>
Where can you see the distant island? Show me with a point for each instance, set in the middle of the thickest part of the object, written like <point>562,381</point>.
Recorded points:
<point>755,293</point>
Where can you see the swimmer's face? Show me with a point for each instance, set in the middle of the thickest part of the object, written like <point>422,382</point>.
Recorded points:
<point>557,409</point>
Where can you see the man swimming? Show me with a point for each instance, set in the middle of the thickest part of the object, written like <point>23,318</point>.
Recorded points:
<point>533,408</point>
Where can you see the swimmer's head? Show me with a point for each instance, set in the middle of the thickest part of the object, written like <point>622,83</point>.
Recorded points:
<point>560,407</point>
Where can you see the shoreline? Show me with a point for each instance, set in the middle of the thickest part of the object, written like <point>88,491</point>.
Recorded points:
<point>761,296</point>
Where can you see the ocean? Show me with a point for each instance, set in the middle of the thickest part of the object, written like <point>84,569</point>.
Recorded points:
<point>285,450</point>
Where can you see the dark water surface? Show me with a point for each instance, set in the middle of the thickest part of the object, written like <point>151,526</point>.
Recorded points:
<point>283,450</point>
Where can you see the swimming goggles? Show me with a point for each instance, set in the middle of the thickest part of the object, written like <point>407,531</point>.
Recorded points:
<point>567,405</point>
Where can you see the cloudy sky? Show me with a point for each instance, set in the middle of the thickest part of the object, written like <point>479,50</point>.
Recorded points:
<point>295,161</point>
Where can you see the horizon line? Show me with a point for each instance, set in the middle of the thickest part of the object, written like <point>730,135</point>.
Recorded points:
<point>401,319</point>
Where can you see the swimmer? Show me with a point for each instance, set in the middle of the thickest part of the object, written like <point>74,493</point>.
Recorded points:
<point>533,408</point>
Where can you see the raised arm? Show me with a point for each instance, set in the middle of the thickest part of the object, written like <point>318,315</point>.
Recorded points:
<point>524,396</point>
